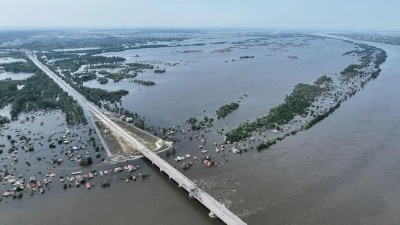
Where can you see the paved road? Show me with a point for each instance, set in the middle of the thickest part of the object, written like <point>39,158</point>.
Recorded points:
<point>214,206</point>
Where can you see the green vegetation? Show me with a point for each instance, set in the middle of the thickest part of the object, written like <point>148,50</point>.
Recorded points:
<point>20,67</point>
<point>192,120</point>
<point>246,57</point>
<point>96,95</point>
<point>74,62</point>
<point>304,94</point>
<point>160,71</point>
<point>86,161</point>
<point>323,80</point>
<point>79,78</point>
<point>267,144</point>
<point>206,122</point>
<point>8,89</point>
<point>320,117</point>
<point>105,184</point>
<point>144,174</point>
<point>366,56</point>
<point>226,109</point>
<point>41,92</point>
<point>102,80</point>
<point>295,103</point>
<point>117,76</point>
<point>145,82</point>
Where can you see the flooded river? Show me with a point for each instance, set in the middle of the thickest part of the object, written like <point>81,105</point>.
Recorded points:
<point>344,170</point>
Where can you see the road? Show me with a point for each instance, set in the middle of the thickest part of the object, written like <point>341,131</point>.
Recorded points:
<point>213,205</point>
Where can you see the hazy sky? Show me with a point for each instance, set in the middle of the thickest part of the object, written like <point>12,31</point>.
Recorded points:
<point>310,14</point>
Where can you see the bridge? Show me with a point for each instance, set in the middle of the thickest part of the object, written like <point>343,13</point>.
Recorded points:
<point>216,208</point>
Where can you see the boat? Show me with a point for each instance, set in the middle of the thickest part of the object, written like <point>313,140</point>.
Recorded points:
<point>41,123</point>
<point>71,179</point>
<point>91,175</point>
<point>217,150</point>
<point>131,168</point>
<point>41,190</point>
<point>101,173</point>
<point>204,151</point>
<point>208,163</point>
<point>187,156</point>
<point>75,173</point>
<point>195,157</point>
<point>77,183</point>
<point>88,186</point>
<point>200,146</point>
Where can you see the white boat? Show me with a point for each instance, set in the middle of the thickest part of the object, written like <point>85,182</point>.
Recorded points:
<point>101,173</point>
<point>75,173</point>
<point>187,156</point>
<point>71,179</point>
<point>204,151</point>
<point>217,150</point>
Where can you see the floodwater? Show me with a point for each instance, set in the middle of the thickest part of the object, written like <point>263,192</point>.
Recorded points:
<point>15,76</point>
<point>344,170</point>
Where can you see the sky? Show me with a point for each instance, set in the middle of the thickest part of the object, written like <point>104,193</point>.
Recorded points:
<point>289,14</point>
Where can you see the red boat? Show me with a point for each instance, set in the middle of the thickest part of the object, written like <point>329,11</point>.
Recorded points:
<point>208,163</point>
<point>88,186</point>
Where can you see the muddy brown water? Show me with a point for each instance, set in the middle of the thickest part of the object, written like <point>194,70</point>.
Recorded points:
<point>345,170</point>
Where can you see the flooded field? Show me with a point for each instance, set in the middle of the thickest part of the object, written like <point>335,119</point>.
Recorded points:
<point>344,170</point>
